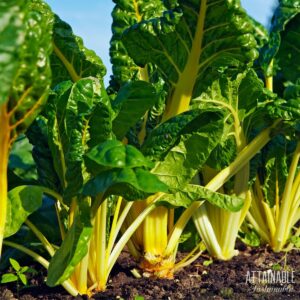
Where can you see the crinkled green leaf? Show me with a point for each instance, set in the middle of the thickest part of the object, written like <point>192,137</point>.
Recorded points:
<point>284,42</point>
<point>14,180</point>
<point>191,44</point>
<point>190,193</point>
<point>254,101</point>
<point>12,35</point>
<point>275,170</point>
<point>132,102</point>
<point>38,137</point>
<point>71,60</point>
<point>46,220</point>
<point>125,14</point>
<point>21,161</point>
<point>22,201</point>
<point>114,154</point>
<point>79,116</point>
<point>292,90</point>
<point>192,150</point>
<point>245,101</point>
<point>123,182</point>
<point>29,86</point>
<point>288,54</point>
<point>288,110</point>
<point>166,135</point>
<point>74,247</point>
<point>260,33</point>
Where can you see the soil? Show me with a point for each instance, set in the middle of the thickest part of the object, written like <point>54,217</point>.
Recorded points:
<point>218,280</point>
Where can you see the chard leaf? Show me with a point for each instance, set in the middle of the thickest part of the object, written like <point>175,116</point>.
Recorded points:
<point>21,161</point>
<point>114,154</point>
<point>260,33</point>
<point>22,202</point>
<point>165,136</point>
<point>29,71</point>
<point>191,44</point>
<point>192,150</point>
<point>292,90</point>
<point>73,112</point>
<point>289,50</point>
<point>14,180</point>
<point>38,137</point>
<point>284,42</point>
<point>132,102</point>
<point>11,38</point>
<point>125,14</point>
<point>190,193</point>
<point>288,111</point>
<point>276,172</point>
<point>72,250</point>
<point>71,60</point>
<point>132,184</point>
<point>245,102</point>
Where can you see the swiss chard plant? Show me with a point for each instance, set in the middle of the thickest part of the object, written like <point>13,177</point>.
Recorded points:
<point>25,78</point>
<point>219,229</point>
<point>275,210</point>
<point>182,51</point>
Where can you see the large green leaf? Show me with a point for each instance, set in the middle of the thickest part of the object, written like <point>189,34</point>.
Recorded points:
<point>29,87</point>
<point>191,193</point>
<point>79,116</point>
<point>191,44</point>
<point>114,154</point>
<point>37,134</point>
<point>22,201</point>
<point>192,150</point>
<point>275,170</point>
<point>129,183</point>
<point>244,101</point>
<point>289,51</point>
<point>12,35</point>
<point>166,135</point>
<point>284,41</point>
<point>71,60</point>
<point>46,220</point>
<point>292,90</point>
<point>131,103</point>
<point>73,248</point>
<point>260,33</point>
<point>125,14</point>
<point>21,161</point>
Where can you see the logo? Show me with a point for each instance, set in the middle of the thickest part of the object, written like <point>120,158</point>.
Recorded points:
<point>271,281</point>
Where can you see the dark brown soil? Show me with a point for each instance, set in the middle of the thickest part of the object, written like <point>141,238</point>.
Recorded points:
<point>219,280</point>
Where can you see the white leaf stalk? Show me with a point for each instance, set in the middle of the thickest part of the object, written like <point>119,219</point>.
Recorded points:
<point>275,225</point>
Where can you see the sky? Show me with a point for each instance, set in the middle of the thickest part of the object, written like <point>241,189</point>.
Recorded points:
<point>91,20</point>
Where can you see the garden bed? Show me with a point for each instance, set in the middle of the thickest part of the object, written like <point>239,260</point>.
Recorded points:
<point>219,280</point>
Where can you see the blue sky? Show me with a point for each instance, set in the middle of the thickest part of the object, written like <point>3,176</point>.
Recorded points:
<point>92,20</point>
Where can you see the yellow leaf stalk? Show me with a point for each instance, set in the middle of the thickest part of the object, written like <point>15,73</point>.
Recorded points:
<point>157,226</point>
<point>275,225</point>
<point>4,153</point>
